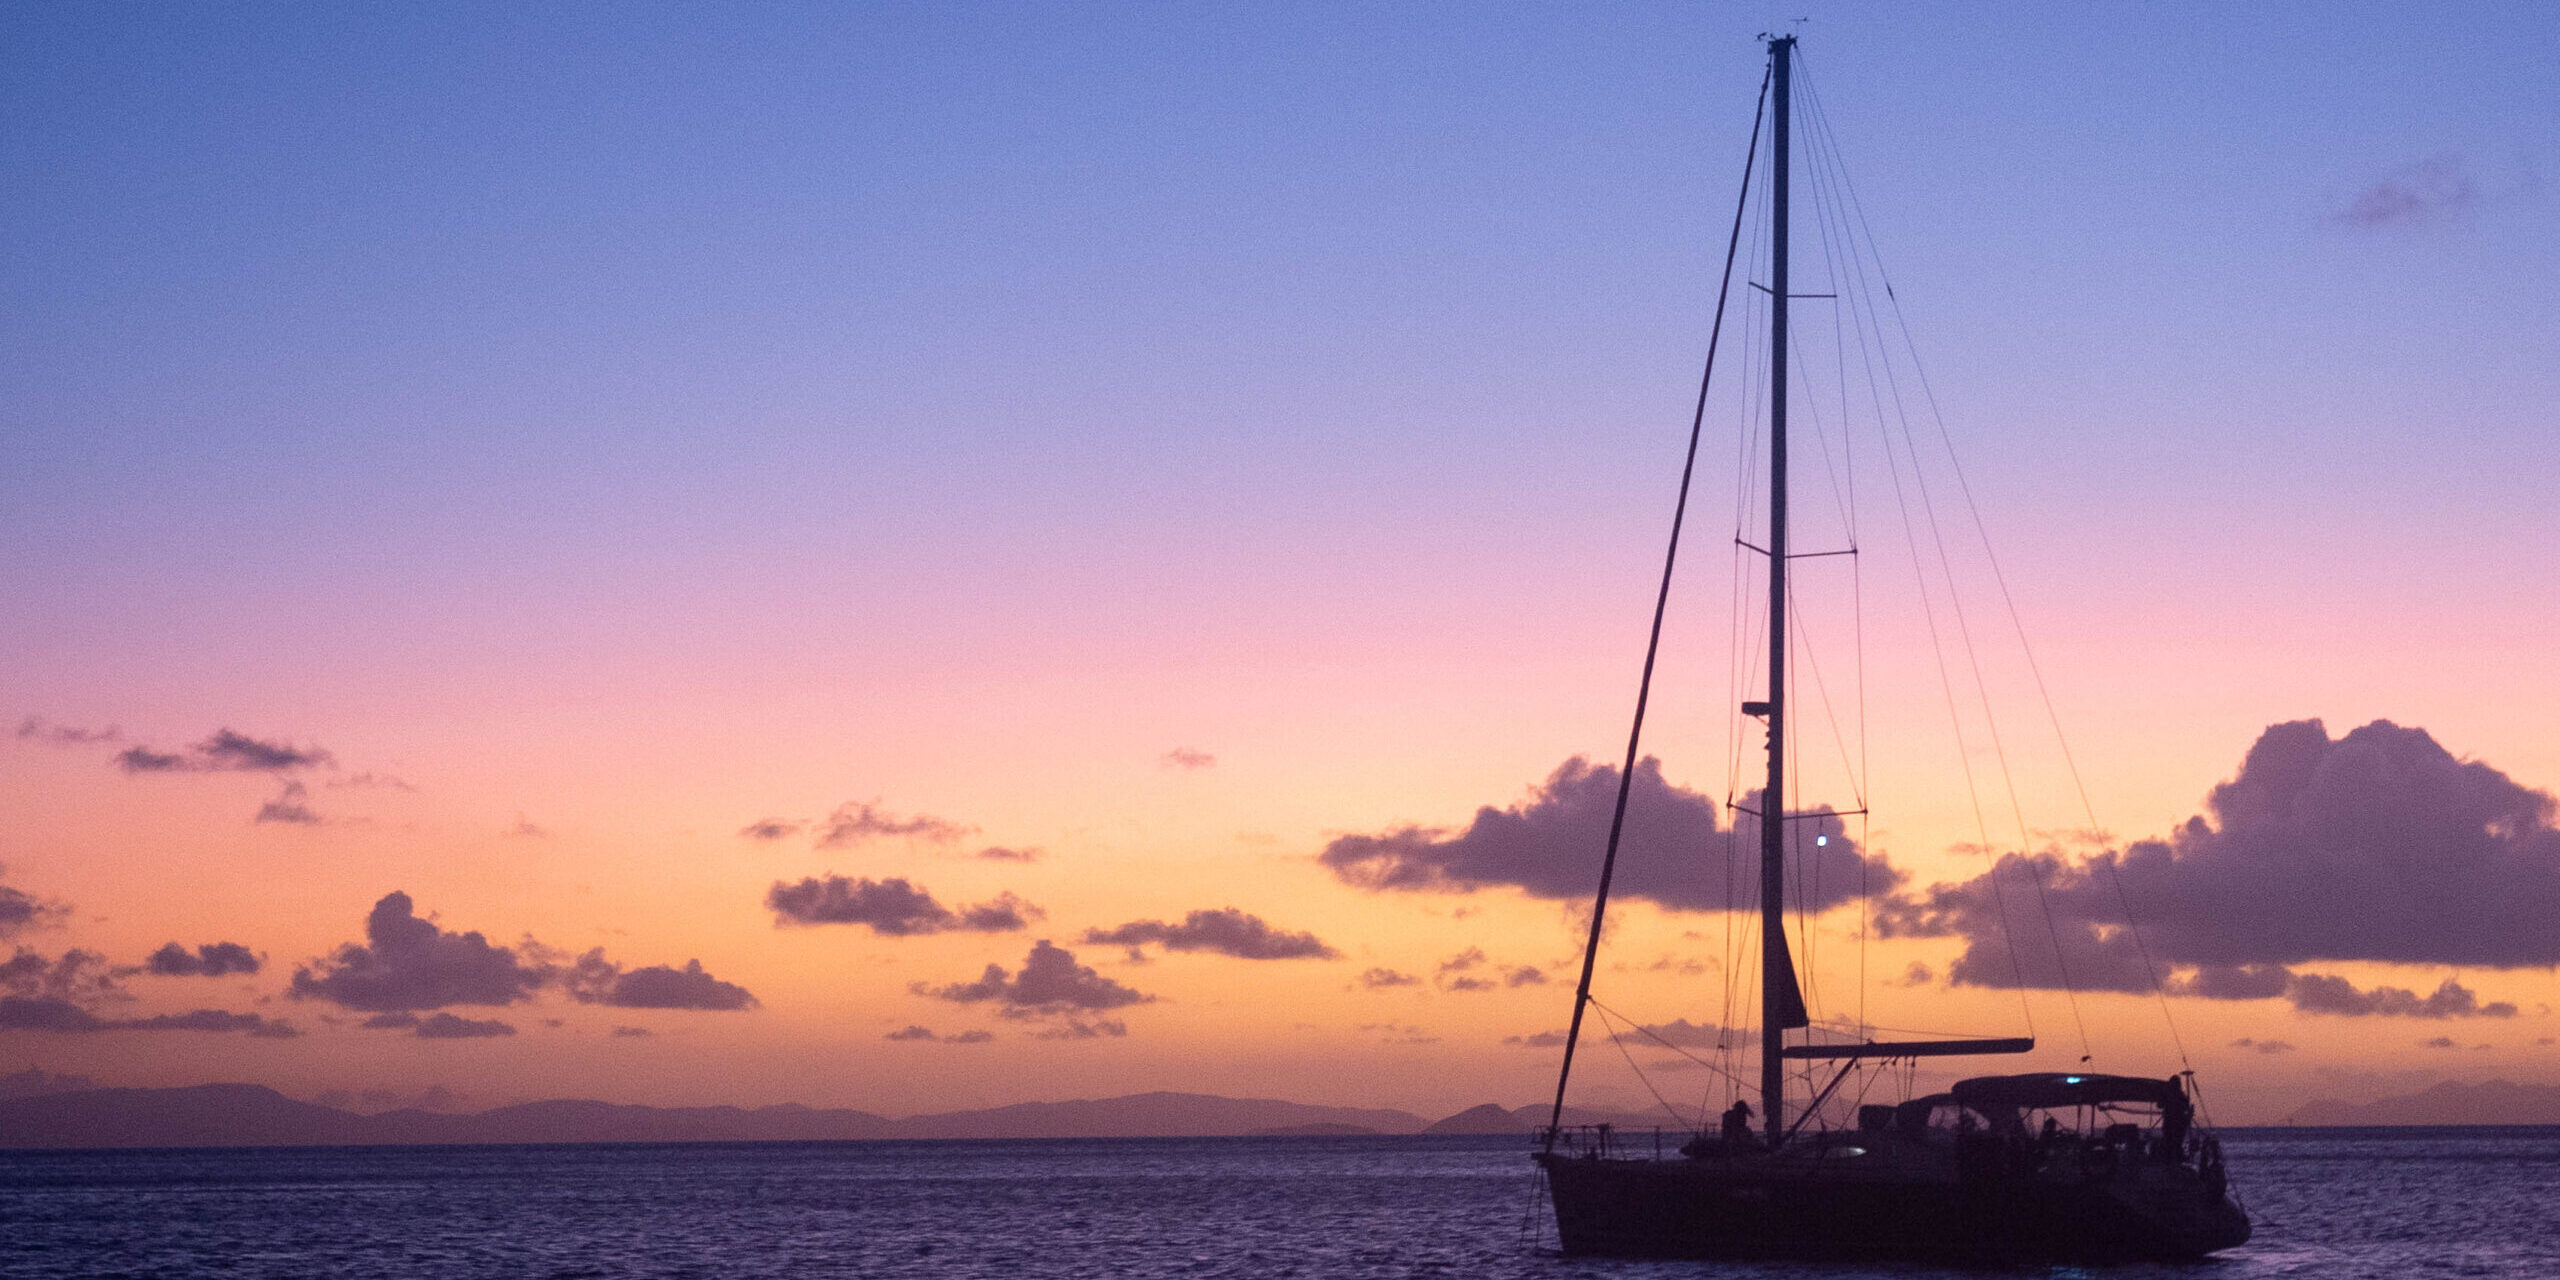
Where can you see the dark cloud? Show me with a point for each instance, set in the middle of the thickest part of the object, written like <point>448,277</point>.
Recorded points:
<point>390,1022</point>
<point>82,977</point>
<point>2262,1046</point>
<point>50,1013</point>
<point>892,907</point>
<point>999,853</point>
<point>855,823</point>
<point>1376,979</point>
<point>2321,993</point>
<point>1080,1029</point>
<point>596,980</point>
<point>1458,973</point>
<point>1679,1032</point>
<point>407,963</point>
<point>2378,846</point>
<point>369,780</point>
<point>1226,931</point>
<point>211,1020</point>
<point>631,1033</point>
<point>1186,758</point>
<point>2423,194</point>
<point>226,751</point>
<point>211,960</point>
<point>445,1026</point>
<point>527,829</point>
<point>1051,982</point>
<point>45,1013</point>
<point>1527,975</point>
<point>926,1035</point>
<point>1550,846</point>
<point>39,729</point>
<point>21,911</point>
<point>2438,1042</point>
<point>290,805</point>
<point>772,828</point>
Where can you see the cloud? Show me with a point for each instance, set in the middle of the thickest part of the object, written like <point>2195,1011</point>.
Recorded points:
<point>39,729</point>
<point>2262,1046</point>
<point>526,829</point>
<point>772,828</point>
<point>22,912</point>
<point>1379,979</point>
<point>2438,1042</point>
<point>440,1026</point>
<point>1679,1032</point>
<point>76,975</point>
<point>1550,845</point>
<point>1226,931</point>
<point>2422,194</point>
<point>926,1035</point>
<point>631,1033</point>
<point>50,1013</point>
<point>445,1026</point>
<point>596,980</point>
<point>1458,973</point>
<point>211,960</point>
<point>999,853</point>
<point>855,823</point>
<point>2378,846</point>
<point>2321,993</point>
<point>408,963</point>
<point>892,907</point>
<point>288,806</point>
<point>1187,759</point>
<point>1079,1029</point>
<point>1051,982</point>
<point>226,751</point>
<point>371,781</point>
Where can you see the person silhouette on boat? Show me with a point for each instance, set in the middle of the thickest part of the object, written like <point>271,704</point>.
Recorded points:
<point>1737,1124</point>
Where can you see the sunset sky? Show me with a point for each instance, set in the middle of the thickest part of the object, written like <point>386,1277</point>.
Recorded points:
<point>649,478</point>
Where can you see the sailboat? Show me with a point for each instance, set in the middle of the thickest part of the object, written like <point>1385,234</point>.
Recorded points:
<point>2044,1167</point>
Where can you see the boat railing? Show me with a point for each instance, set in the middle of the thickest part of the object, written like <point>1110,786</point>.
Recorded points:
<point>1618,1142</point>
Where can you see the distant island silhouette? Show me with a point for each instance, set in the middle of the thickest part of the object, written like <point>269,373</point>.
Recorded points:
<point>2448,1103</point>
<point>251,1115</point>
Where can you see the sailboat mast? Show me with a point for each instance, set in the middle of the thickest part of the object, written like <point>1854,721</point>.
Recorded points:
<point>1773,799</point>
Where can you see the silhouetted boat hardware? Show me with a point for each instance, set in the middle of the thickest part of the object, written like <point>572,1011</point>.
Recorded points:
<point>2040,1167</point>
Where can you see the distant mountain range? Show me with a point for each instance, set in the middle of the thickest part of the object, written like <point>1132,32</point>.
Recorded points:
<point>249,1115</point>
<point>2489,1102</point>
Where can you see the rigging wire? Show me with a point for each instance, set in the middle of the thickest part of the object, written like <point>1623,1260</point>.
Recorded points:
<point>2009,603</point>
<point>1653,645</point>
<point>1823,182</point>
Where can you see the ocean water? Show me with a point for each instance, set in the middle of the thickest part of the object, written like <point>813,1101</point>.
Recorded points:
<point>2344,1203</point>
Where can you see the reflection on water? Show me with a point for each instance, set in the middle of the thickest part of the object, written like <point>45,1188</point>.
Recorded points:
<point>2352,1204</point>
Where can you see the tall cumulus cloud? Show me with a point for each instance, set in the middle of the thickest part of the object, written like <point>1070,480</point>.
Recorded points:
<point>1551,843</point>
<point>2380,846</point>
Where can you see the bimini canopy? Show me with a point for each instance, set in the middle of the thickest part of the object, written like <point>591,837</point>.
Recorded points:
<point>2054,1089</point>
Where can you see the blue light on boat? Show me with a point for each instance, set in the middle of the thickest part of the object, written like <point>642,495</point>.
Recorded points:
<point>2071,1079</point>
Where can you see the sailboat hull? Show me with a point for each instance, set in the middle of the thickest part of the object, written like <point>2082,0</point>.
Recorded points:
<point>1762,1207</point>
